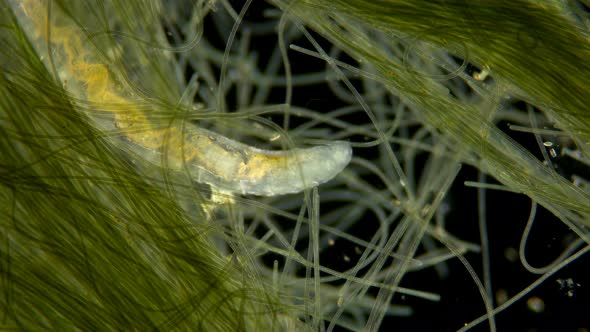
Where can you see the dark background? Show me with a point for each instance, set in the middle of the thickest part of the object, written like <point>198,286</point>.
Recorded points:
<point>565,303</point>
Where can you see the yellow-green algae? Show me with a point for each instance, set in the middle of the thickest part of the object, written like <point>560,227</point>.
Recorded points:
<point>95,239</point>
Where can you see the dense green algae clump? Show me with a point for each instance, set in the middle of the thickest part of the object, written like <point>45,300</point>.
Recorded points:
<point>95,239</point>
<point>90,242</point>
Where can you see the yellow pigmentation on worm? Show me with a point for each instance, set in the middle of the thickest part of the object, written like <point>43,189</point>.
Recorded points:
<point>210,158</point>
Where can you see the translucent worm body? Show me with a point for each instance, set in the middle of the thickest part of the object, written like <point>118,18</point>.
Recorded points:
<point>210,158</point>
<point>237,167</point>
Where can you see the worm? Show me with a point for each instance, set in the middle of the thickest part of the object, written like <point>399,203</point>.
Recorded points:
<point>210,158</point>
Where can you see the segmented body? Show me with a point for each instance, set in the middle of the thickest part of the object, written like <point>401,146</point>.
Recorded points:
<point>210,158</point>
